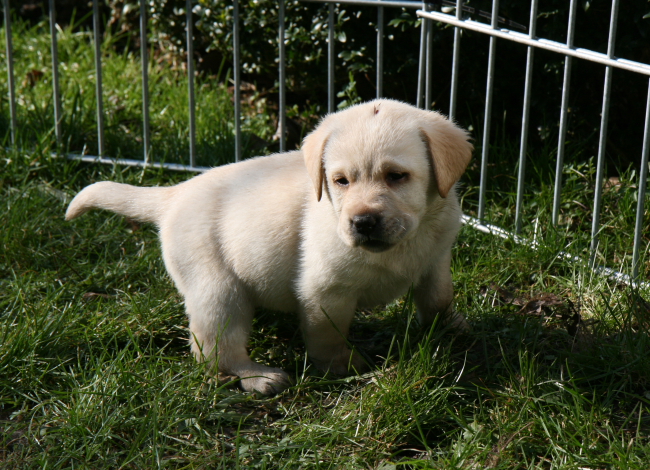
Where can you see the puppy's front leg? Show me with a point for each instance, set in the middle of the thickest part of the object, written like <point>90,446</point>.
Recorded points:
<point>434,295</point>
<point>325,325</point>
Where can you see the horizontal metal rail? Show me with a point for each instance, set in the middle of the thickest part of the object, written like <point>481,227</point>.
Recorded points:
<point>135,163</point>
<point>546,44</point>
<point>602,270</point>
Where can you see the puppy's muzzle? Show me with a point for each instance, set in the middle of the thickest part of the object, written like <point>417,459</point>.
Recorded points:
<point>369,232</point>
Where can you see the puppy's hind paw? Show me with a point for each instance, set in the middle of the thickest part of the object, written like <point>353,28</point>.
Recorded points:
<point>267,381</point>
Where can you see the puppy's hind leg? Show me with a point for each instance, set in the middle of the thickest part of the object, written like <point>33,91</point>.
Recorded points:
<point>220,319</point>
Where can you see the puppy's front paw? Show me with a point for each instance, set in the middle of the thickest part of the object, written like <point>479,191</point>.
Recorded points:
<point>458,322</point>
<point>345,362</point>
<point>454,320</point>
<point>265,380</point>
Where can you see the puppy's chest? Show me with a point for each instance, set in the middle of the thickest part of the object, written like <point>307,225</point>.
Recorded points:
<point>382,291</point>
<point>374,285</point>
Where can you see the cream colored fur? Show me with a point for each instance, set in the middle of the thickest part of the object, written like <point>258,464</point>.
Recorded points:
<point>363,212</point>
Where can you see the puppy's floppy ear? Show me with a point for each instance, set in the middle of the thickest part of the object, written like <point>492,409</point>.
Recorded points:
<point>313,148</point>
<point>449,149</point>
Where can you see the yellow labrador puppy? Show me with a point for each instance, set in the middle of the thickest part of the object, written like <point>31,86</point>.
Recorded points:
<point>365,210</point>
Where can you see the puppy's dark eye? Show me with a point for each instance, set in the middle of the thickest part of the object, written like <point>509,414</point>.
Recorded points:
<point>394,177</point>
<point>341,181</point>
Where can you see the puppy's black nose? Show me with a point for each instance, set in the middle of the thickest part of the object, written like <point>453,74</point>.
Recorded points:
<point>364,224</point>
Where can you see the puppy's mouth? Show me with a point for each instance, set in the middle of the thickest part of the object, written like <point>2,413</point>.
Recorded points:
<point>374,245</point>
<point>372,232</point>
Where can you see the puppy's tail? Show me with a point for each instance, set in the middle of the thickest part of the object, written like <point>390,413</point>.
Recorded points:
<point>144,204</point>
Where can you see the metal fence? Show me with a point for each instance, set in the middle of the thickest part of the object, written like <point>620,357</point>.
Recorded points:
<point>497,30</point>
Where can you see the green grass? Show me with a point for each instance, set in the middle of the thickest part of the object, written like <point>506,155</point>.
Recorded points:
<point>95,370</point>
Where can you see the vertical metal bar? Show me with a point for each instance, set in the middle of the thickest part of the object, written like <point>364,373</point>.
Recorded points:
<point>330,60</point>
<point>422,59</point>
<point>455,62</point>
<point>595,221</point>
<point>281,79</point>
<point>236,74</point>
<point>640,204</point>
<point>380,52</point>
<point>55,75</point>
<point>144,56</point>
<point>190,80</point>
<point>559,166</point>
<point>10,71</point>
<point>488,112</point>
<point>428,98</point>
<point>98,82</point>
<point>525,114</point>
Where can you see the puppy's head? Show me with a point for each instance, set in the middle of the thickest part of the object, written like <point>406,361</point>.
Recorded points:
<point>381,164</point>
